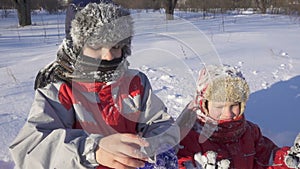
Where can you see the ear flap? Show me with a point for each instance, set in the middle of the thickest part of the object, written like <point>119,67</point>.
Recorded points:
<point>204,106</point>
<point>243,107</point>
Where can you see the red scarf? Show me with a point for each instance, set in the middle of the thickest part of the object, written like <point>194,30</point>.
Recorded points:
<point>229,131</point>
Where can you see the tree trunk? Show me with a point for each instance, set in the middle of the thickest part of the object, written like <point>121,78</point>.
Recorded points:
<point>169,7</point>
<point>262,5</point>
<point>24,11</point>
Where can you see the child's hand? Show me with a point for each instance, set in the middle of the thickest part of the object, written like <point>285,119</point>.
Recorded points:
<point>292,160</point>
<point>209,161</point>
<point>121,151</point>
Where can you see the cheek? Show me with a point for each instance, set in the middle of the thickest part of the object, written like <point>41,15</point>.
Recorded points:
<point>215,112</point>
<point>117,53</point>
<point>236,110</point>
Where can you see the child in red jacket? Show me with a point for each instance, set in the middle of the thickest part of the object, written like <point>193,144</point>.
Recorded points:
<point>215,133</point>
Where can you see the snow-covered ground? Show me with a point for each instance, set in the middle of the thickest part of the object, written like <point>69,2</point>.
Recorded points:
<point>264,47</point>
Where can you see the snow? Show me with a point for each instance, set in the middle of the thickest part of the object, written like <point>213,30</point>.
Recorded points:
<point>264,47</point>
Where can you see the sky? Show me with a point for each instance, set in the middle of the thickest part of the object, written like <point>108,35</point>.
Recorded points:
<point>264,47</point>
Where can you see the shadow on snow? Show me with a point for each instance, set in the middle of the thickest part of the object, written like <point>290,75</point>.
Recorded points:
<point>271,108</point>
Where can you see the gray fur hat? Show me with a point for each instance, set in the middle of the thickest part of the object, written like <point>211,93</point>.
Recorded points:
<point>103,24</point>
<point>97,24</point>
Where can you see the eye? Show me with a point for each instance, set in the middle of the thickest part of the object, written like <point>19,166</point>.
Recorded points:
<point>236,104</point>
<point>219,106</point>
<point>117,47</point>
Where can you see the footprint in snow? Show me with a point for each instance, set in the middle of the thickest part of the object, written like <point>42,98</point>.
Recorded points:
<point>255,72</point>
<point>167,78</point>
<point>145,68</point>
<point>265,85</point>
<point>176,97</point>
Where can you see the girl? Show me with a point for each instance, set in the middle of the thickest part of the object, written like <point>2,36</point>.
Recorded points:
<point>219,135</point>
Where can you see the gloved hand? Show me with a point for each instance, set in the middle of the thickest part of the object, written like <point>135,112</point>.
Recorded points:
<point>209,161</point>
<point>292,160</point>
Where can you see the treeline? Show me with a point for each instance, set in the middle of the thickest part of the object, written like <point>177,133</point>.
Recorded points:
<point>52,6</point>
<point>220,6</point>
<point>261,6</point>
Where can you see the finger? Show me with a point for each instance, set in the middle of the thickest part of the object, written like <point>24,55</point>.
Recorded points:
<point>130,162</point>
<point>121,152</point>
<point>112,160</point>
<point>202,118</point>
<point>119,165</point>
<point>125,150</point>
<point>131,138</point>
<point>133,152</point>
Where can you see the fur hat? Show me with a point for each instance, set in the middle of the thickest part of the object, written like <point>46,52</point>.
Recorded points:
<point>221,83</point>
<point>103,24</point>
<point>73,8</point>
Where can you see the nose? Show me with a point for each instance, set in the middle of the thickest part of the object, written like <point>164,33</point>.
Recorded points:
<point>227,113</point>
<point>107,54</point>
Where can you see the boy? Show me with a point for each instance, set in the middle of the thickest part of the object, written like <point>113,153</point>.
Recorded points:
<point>90,110</point>
<point>220,136</point>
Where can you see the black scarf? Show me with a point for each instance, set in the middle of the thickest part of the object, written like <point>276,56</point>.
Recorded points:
<point>71,65</point>
<point>96,70</point>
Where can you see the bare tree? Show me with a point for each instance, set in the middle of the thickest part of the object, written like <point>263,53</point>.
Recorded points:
<point>53,6</point>
<point>24,11</point>
<point>136,4</point>
<point>262,5</point>
<point>169,6</point>
<point>6,4</point>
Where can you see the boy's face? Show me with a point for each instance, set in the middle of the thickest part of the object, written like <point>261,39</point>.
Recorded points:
<point>103,53</point>
<point>225,111</point>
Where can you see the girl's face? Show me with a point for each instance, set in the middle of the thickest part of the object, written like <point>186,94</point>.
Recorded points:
<point>224,111</point>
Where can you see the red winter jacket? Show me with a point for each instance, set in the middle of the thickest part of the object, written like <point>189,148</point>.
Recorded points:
<point>241,142</point>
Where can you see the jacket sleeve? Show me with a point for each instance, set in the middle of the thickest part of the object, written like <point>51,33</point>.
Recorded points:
<point>278,158</point>
<point>155,123</point>
<point>188,148</point>
<point>268,155</point>
<point>47,139</point>
<point>188,145</point>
